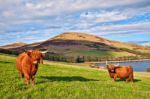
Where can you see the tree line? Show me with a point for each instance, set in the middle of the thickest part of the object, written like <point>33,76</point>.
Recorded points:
<point>6,51</point>
<point>79,59</point>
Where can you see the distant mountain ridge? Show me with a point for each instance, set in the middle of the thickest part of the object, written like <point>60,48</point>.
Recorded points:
<point>13,45</point>
<point>76,43</point>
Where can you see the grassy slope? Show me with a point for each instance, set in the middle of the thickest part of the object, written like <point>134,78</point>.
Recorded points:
<point>104,53</point>
<point>62,81</point>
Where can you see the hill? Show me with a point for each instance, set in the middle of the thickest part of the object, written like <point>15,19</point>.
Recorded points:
<point>13,45</point>
<point>82,44</point>
<point>90,38</point>
<point>68,81</point>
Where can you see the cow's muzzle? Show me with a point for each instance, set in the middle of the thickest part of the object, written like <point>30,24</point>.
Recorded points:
<point>35,62</point>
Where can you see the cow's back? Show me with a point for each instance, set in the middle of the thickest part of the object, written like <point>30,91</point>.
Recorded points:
<point>124,71</point>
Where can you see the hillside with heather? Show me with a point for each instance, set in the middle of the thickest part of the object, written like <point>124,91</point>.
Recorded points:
<point>74,44</point>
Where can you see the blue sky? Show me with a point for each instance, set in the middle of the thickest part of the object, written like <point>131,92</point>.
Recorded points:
<point>37,20</point>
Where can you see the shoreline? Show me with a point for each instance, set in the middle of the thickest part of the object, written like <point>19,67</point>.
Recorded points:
<point>120,61</point>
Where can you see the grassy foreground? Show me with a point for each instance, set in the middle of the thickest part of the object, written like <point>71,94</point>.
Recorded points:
<point>66,81</point>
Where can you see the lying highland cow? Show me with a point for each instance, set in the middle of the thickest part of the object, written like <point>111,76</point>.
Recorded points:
<point>27,64</point>
<point>122,72</point>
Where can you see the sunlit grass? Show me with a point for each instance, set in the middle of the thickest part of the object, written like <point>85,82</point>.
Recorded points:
<point>68,81</point>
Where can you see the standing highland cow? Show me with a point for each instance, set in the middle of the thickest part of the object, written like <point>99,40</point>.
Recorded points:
<point>122,72</point>
<point>27,64</point>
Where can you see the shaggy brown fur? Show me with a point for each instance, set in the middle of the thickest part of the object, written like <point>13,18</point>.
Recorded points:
<point>122,72</point>
<point>27,64</point>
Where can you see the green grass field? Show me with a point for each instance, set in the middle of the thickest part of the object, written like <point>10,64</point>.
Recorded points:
<point>67,81</point>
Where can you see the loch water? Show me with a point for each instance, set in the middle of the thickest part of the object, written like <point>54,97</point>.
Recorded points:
<point>139,66</point>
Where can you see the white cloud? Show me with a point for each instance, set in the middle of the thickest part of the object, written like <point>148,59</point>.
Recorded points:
<point>8,14</point>
<point>30,16</point>
<point>104,16</point>
<point>56,7</point>
<point>122,29</point>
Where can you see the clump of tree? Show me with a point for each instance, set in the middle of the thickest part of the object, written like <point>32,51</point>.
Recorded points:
<point>148,69</point>
<point>59,57</point>
<point>80,59</point>
<point>6,51</point>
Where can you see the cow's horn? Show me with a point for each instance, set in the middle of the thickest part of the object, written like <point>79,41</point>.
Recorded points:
<point>106,62</point>
<point>43,52</point>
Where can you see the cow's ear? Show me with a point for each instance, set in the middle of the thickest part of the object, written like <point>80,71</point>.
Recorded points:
<point>28,53</point>
<point>41,59</point>
<point>107,65</point>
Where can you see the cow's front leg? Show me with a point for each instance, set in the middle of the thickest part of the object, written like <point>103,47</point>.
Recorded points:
<point>27,79</point>
<point>127,79</point>
<point>115,77</point>
<point>33,79</point>
<point>21,75</point>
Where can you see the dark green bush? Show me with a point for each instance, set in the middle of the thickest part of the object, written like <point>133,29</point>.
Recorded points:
<point>148,69</point>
